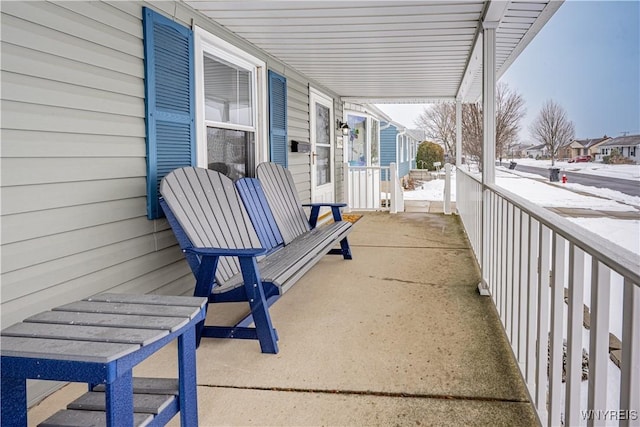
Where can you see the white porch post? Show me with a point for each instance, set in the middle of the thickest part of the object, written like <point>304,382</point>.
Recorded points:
<point>489,102</point>
<point>489,140</point>
<point>393,183</point>
<point>346,187</point>
<point>458,132</point>
<point>458,140</point>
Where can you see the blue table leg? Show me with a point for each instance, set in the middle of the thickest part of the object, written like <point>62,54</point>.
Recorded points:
<point>13,402</point>
<point>119,401</point>
<point>188,378</point>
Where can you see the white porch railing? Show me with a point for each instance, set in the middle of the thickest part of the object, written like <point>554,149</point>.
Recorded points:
<point>373,188</point>
<point>533,262</point>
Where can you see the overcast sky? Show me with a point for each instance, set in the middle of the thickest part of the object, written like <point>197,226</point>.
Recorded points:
<point>587,59</point>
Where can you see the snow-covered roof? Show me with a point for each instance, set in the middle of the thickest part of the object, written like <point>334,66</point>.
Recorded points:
<point>623,141</point>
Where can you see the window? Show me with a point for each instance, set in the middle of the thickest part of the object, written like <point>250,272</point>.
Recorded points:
<point>364,141</point>
<point>357,147</point>
<point>229,112</point>
<point>375,142</point>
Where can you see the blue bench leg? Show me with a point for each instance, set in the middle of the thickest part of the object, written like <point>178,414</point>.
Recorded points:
<point>204,285</point>
<point>188,393</point>
<point>258,303</point>
<point>313,217</point>
<point>119,401</point>
<point>13,403</point>
<point>346,250</point>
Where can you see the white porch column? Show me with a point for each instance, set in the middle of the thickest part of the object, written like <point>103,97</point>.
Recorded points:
<point>489,102</point>
<point>489,141</point>
<point>458,132</point>
<point>458,140</point>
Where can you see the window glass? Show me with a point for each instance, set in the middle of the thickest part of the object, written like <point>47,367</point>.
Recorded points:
<point>227,92</point>
<point>230,151</point>
<point>357,155</point>
<point>323,147</point>
<point>375,143</point>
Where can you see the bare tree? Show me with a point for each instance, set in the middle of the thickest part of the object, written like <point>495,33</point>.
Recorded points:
<point>472,131</point>
<point>439,124</point>
<point>552,128</point>
<point>509,111</point>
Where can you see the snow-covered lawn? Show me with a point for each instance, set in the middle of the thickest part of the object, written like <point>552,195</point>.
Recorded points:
<point>631,172</point>
<point>625,233</point>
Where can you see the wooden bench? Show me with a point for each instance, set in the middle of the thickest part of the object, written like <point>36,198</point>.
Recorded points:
<point>98,341</point>
<point>239,250</point>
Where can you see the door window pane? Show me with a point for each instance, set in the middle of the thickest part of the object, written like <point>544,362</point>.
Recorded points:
<point>323,166</point>
<point>228,92</point>
<point>375,143</point>
<point>230,152</point>
<point>323,132</point>
<point>357,155</point>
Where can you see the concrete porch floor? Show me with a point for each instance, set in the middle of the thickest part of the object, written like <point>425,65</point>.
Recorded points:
<point>397,336</point>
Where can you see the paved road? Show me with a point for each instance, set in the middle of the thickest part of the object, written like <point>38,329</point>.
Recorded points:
<point>625,186</point>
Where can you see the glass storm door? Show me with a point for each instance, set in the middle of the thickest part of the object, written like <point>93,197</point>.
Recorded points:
<point>322,136</point>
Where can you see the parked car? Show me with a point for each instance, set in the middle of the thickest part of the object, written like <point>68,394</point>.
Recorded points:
<point>580,159</point>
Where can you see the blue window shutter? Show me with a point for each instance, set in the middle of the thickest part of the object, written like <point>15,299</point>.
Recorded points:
<point>278,146</point>
<point>169,101</point>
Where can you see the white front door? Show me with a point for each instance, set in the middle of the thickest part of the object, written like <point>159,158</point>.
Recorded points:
<point>322,137</point>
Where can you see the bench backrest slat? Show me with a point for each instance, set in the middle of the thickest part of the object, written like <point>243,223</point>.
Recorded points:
<point>254,199</point>
<point>207,206</point>
<point>280,190</point>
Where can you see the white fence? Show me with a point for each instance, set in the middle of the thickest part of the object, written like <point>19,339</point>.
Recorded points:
<point>554,282</point>
<point>373,188</point>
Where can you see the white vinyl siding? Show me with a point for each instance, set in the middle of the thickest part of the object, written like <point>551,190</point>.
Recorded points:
<point>73,161</point>
<point>73,166</point>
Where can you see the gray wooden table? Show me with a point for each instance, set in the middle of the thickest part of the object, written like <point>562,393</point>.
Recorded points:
<point>98,341</point>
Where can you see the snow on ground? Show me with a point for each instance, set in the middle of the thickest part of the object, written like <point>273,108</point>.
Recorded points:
<point>552,195</point>
<point>625,233</point>
<point>631,172</point>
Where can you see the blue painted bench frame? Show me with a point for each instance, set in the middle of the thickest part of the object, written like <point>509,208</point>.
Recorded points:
<point>204,263</point>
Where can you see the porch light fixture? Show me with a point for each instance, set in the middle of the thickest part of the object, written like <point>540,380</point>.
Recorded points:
<point>343,127</point>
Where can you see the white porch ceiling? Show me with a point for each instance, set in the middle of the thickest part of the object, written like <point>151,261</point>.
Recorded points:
<point>385,51</point>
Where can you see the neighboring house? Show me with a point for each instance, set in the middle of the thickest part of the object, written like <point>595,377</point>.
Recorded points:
<point>582,147</point>
<point>628,146</point>
<point>398,145</point>
<point>537,151</point>
<point>519,151</point>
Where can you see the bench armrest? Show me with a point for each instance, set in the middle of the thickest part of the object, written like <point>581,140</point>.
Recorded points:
<point>315,211</point>
<point>251,252</point>
<point>332,205</point>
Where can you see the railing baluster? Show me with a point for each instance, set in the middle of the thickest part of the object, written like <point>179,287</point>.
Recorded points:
<point>543,323</point>
<point>630,364</point>
<point>599,340</point>
<point>503,262</point>
<point>523,326</point>
<point>532,312</point>
<point>557,328</point>
<point>574,335</point>
<point>508,271</point>
<point>515,281</point>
